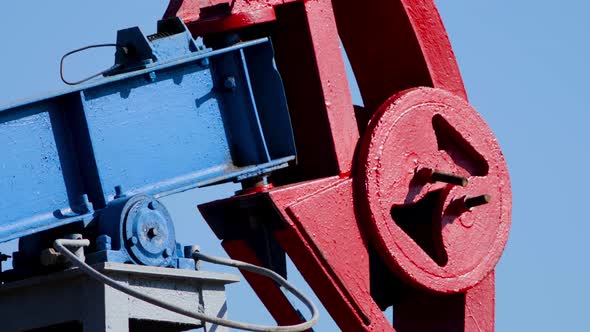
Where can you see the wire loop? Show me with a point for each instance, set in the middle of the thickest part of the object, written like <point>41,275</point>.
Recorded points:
<point>61,63</point>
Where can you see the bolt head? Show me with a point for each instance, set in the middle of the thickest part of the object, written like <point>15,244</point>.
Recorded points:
<point>230,83</point>
<point>168,252</point>
<point>189,250</point>
<point>151,76</point>
<point>103,239</point>
<point>119,192</point>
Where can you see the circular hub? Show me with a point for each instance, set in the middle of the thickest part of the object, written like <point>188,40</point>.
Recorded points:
<point>435,185</point>
<point>149,231</point>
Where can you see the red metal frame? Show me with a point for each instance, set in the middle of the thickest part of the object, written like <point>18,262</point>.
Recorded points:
<point>322,215</point>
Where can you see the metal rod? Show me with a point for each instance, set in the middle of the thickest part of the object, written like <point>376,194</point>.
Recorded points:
<point>472,202</point>
<point>438,176</point>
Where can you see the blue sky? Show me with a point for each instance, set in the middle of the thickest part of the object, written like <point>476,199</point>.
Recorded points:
<point>525,66</point>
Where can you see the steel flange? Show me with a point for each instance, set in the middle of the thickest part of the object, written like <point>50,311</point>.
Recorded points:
<point>434,188</point>
<point>148,231</point>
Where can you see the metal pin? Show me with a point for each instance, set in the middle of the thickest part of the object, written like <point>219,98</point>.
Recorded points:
<point>230,84</point>
<point>472,202</point>
<point>438,176</point>
<point>119,192</point>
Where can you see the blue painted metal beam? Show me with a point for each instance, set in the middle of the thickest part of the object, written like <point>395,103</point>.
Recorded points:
<point>171,117</point>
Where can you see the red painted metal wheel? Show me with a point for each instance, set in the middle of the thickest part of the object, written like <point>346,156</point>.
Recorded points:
<point>435,188</point>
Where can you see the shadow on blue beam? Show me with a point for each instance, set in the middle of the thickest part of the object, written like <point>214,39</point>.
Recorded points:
<point>188,117</point>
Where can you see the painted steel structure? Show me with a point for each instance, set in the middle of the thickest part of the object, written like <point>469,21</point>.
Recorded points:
<point>404,201</point>
<point>170,115</point>
<point>105,309</point>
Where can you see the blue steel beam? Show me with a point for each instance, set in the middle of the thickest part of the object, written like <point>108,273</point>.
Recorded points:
<point>172,117</point>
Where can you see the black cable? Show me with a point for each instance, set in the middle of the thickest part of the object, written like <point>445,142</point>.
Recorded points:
<point>61,63</point>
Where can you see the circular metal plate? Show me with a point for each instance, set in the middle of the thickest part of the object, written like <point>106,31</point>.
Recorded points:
<point>423,228</point>
<point>149,231</point>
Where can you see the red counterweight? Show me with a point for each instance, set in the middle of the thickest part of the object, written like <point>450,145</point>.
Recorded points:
<point>441,234</point>
<point>404,202</point>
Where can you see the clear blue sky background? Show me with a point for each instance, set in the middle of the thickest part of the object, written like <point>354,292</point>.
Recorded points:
<point>525,66</point>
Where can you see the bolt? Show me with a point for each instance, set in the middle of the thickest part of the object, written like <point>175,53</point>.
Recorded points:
<point>103,242</point>
<point>230,83</point>
<point>472,202</point>
<point>189,250</point>
<point>438,176</point>
<point>151,76</point>
<point>119,192</point>
<point>188,253</point>
<point>85,204</point>
<point>205,62</point>
<point>152,205</point>
<point>167,253</point>
<point>133,240</point>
